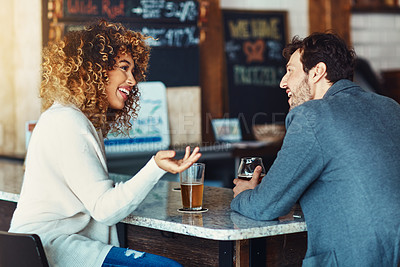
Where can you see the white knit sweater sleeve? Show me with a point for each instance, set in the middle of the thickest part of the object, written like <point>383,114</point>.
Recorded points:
<point>83,165</point>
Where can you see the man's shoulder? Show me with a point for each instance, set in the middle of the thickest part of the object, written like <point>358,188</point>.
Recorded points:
<point>308,108</point>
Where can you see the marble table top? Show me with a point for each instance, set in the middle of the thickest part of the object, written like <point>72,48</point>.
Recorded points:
<point>159,210</point>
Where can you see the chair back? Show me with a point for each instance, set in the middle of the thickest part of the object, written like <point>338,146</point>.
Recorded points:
<point>22,250</point>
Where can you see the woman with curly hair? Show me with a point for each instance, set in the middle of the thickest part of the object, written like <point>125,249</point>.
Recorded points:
<point>89,88</point>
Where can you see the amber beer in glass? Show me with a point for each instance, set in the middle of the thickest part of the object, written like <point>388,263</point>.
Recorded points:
<point>192,187</point>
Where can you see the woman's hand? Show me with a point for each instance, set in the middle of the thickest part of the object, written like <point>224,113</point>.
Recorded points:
<point>165,160</point>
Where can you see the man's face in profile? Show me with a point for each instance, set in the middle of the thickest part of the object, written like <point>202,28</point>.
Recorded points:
<point>295,82</point>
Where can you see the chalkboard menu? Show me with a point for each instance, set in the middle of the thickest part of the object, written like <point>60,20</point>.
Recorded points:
<point>253,50</point>
<point>174,57</point>
<point>175,11</point>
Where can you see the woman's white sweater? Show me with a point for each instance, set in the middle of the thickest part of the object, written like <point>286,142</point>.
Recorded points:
<point>67,197</point>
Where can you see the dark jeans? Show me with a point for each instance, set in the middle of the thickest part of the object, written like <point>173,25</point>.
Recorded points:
<point>122,257</point>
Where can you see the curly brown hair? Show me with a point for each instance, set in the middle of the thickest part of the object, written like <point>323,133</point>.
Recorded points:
<point>74,71</point>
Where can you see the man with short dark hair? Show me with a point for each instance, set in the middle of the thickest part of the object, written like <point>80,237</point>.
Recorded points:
<point>339,159</point>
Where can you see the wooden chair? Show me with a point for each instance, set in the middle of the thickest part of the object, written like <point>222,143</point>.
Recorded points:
<point>22,250</point>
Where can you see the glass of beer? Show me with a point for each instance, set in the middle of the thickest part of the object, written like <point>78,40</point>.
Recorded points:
<point>192,185</point>
<point>247,166</point>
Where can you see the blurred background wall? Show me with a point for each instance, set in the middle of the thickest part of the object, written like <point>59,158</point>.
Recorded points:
<point>20,57</point>
<point>375,36</point>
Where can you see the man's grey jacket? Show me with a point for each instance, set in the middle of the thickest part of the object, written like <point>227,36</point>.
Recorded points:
<point>341,159</point>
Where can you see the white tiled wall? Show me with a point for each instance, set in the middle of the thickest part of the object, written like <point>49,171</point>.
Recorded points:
<point>376,37</point>
<point>297,11</point>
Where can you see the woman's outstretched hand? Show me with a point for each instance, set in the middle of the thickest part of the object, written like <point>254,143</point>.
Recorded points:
<point>165,160</point>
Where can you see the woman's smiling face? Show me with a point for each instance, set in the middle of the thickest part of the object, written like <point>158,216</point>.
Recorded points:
<point>121,81</point>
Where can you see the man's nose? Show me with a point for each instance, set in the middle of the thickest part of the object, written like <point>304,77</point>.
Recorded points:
<point>283,83</point>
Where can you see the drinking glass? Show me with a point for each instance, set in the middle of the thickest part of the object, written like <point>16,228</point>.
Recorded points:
<point>247,166</point>
<point>192,186</point>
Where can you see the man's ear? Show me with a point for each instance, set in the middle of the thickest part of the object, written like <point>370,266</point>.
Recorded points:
<point>318,72</point>
<point>317,79</point>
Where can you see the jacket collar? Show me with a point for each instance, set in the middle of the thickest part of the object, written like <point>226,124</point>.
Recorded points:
<point>339,86</point>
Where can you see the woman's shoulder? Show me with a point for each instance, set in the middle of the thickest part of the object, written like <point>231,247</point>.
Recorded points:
<point>58,108</point>
<point>64,116</point>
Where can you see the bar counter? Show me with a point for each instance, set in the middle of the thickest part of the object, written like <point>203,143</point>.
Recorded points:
<point>217,237</point>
